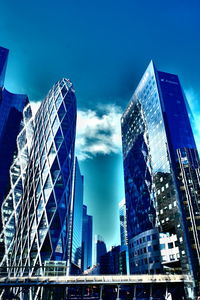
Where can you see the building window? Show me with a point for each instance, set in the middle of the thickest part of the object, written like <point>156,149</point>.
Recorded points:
<point>170,245</point>
<point>172,257</point>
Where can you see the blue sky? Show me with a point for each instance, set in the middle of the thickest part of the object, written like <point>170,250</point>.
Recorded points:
<point>103,47</point>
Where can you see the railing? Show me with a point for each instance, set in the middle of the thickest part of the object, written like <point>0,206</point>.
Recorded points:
<point>56,275</point>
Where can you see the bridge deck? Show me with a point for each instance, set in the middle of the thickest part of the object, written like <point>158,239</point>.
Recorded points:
<point>95,279</point>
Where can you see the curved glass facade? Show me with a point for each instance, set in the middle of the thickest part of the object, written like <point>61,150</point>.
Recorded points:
<point>44,228</point>
<point>144,251</point>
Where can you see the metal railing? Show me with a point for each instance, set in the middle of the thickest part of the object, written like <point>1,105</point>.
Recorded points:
<point>56,275</point>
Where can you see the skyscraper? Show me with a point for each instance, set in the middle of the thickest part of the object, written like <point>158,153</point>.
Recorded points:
<point>110,261</point>
<point>11,108</point>
<point>161,172</point>
<point>77,222</point>
<point>100,248</point>
<point>86,240</point>
<point>49,214</point>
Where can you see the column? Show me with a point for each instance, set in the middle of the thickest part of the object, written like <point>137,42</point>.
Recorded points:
<point>118,289</point>
<point>134,292</point>
<point>101,292</point>
<point>150,293</point>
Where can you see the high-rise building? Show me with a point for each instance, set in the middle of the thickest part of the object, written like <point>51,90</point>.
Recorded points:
<point>161,172</point>
<point>11,108</point>
<point>87,238</point>
<point>109,262</point>
<point>115,261</point>
<point>48,225</point>
<point>100,248</point>
<point>123,223</point>
<point>77,223</point>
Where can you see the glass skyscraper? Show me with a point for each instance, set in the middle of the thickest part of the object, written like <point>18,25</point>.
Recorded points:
<point>77,221</point>
<point>161,171</point>
<point>46,225</point>
<point>87,239</point>
<point>11,108</point>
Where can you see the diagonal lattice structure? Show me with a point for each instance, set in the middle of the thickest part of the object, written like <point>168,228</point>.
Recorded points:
<point>44,229</point>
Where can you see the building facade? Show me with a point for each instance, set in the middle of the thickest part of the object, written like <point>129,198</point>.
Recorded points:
<point>123,223</point>
<point>109,262</point>
<point>144,253</point>
<point>161,170</point>
<point>12,203</point>
<point>77,222</point>
<point>100,248</point>
<point>115,261</point>
<point>11,114</point>
<point>87,238</point>
<point>49,213</point>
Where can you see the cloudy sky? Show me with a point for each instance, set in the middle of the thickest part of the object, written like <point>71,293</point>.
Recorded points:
<point>103,47</point>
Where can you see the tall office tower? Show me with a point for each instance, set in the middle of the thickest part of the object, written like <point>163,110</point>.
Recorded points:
<point>47,222</point>
<point>86,240</point>
<point>100,248</point>
<point>123,223</point>
<point>77,222</point>
<point>161,171</point>
<point>11,107</point>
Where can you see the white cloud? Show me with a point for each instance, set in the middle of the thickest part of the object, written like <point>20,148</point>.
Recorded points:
<point>35,106</point>
<point>98,132</point>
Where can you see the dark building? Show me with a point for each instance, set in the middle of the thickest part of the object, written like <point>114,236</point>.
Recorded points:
<point>161,172</point>
<point>11,108</point>
<point>100,248</point>
<point>87,238</point>
<point>115,261</point>
<point>109,262</point>
<point>124,260</point>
